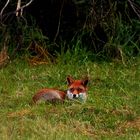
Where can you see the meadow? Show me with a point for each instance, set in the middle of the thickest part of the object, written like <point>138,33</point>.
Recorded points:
<point>112,110</point>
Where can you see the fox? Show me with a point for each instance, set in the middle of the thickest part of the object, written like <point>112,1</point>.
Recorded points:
<point>76,89</point>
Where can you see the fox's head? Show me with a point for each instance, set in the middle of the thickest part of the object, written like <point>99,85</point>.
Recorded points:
<point>77,88</point>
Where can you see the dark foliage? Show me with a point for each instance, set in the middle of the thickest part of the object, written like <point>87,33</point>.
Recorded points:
<point>93,22</point>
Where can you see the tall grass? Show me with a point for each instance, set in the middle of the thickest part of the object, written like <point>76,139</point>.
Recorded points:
<point>122,39</point>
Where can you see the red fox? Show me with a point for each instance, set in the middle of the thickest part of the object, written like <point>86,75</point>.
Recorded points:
<point>77,89</point>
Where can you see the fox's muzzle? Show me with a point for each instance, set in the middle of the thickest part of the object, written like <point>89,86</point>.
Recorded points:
<point>74,95</point>
<point>80,96</point>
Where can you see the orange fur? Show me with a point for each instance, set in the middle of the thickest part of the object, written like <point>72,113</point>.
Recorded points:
<point>75,89</point>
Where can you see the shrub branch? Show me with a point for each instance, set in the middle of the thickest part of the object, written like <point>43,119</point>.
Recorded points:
<point>135,7</point>
<point>4,8</point>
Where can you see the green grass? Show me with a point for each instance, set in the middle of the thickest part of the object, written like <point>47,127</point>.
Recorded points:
<point>112,110</point>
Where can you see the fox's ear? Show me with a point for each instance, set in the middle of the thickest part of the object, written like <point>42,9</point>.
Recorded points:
<point>85,81</point>
<point>70,80</point>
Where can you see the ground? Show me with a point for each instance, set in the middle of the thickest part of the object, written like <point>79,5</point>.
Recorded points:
<point>112,110</point>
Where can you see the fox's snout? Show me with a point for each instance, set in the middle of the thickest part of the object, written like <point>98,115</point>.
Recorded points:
<point>80,96</point>
<point>74,95</point>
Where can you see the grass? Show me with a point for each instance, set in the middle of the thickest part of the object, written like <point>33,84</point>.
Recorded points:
<point>112,110</point>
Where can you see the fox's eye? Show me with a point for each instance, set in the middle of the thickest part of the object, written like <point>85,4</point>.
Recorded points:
<point>71,89</point>
<point>79,90</point>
